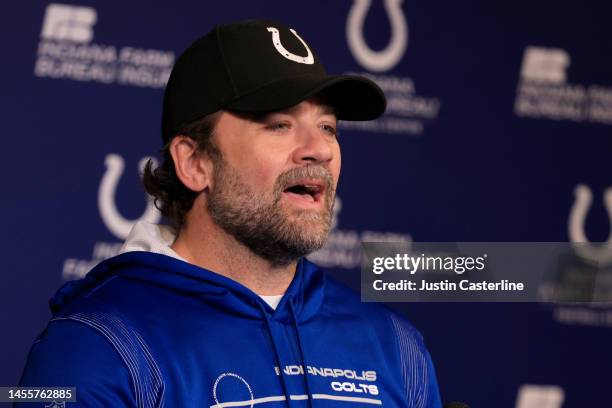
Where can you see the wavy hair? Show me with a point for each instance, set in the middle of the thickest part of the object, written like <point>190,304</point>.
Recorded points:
<point>171,196</point>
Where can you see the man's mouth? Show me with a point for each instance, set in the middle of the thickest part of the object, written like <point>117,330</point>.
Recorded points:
<point>307,190</point>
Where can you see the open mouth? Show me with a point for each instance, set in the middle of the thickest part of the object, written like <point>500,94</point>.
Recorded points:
<point>306,190</point>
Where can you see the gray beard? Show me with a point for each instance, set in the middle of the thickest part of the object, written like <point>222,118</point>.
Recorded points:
<point>259,222</point>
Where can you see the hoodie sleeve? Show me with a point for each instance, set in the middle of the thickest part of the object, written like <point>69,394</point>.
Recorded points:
<point>71,354</point>
<point>418,373</point>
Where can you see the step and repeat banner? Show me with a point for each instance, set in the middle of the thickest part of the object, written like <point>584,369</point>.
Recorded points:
<point>498,129</point>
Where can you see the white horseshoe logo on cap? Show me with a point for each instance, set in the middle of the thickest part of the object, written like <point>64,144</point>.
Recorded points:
<point>582,203</point>
<point>114,221</point>
<point>309,59</point>
<point>386,59</point>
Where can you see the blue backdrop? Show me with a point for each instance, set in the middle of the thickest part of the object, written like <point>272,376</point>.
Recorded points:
<point>499,128</point>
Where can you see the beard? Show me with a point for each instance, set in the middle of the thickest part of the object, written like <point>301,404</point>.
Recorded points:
<point>261,223</point>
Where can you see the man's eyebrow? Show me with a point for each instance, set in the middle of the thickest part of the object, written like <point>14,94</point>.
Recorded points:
<point>329,110</point>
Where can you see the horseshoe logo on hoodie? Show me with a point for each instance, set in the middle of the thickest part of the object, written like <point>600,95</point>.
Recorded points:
<point>113,220</point>
<point>250,402</point>
<point>308,59</point>
<point>577,218</point>
<point>377,61</point>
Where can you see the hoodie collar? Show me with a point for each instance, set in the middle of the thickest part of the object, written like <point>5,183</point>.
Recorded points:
<point>149,237</point>
<point>165,268</point>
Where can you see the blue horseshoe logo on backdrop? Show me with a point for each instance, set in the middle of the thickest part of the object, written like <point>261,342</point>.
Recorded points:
<point>113,220</point>
<point>384,60</point>
<point>577,218</point>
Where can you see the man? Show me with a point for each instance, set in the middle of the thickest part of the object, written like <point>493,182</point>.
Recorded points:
<point>223,309</point>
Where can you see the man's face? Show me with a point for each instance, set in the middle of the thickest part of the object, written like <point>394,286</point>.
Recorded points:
<point>273,188</point>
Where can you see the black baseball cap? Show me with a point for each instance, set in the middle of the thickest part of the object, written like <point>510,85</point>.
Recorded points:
<point>258,66</point>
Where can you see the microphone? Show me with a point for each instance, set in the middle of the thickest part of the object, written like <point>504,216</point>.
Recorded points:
<point>456,405</point>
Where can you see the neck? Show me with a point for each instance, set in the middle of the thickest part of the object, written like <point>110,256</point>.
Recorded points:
<point>201,242</point>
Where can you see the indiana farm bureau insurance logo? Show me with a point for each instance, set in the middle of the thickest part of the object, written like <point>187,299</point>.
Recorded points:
<point>407,112</point>
<point>66,51</point>
<point>544,91</point>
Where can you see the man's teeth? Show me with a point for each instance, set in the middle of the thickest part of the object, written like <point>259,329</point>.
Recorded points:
<point>311,188</point>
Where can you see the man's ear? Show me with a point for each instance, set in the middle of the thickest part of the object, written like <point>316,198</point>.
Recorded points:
<point>190,164</point>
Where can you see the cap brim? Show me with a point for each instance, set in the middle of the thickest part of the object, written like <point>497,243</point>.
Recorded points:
<point>353,97</point>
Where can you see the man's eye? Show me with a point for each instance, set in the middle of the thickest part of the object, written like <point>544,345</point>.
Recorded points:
<point>278,126</point>
<point>330,129</point>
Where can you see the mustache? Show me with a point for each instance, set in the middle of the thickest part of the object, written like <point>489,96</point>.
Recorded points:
<point>317,172</point>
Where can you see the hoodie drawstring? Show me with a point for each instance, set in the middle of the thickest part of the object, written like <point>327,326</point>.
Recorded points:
<point>301,348</point>
<point>276,354</point>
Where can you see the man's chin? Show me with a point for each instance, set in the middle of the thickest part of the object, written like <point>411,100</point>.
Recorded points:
<point>312,237</point>
<point>309,222</point>
<point>289,250</point>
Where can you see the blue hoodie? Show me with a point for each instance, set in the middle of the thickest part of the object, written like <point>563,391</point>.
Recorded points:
<point>145,329</point>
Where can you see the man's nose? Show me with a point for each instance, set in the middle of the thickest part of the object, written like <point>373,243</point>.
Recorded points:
<point>315,146</point>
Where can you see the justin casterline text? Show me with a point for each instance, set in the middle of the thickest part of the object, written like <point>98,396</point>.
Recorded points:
<point>440,264</point>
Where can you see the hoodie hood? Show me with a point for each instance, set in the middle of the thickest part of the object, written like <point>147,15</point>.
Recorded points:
<point>165,268</point>
<point>148,237</point>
